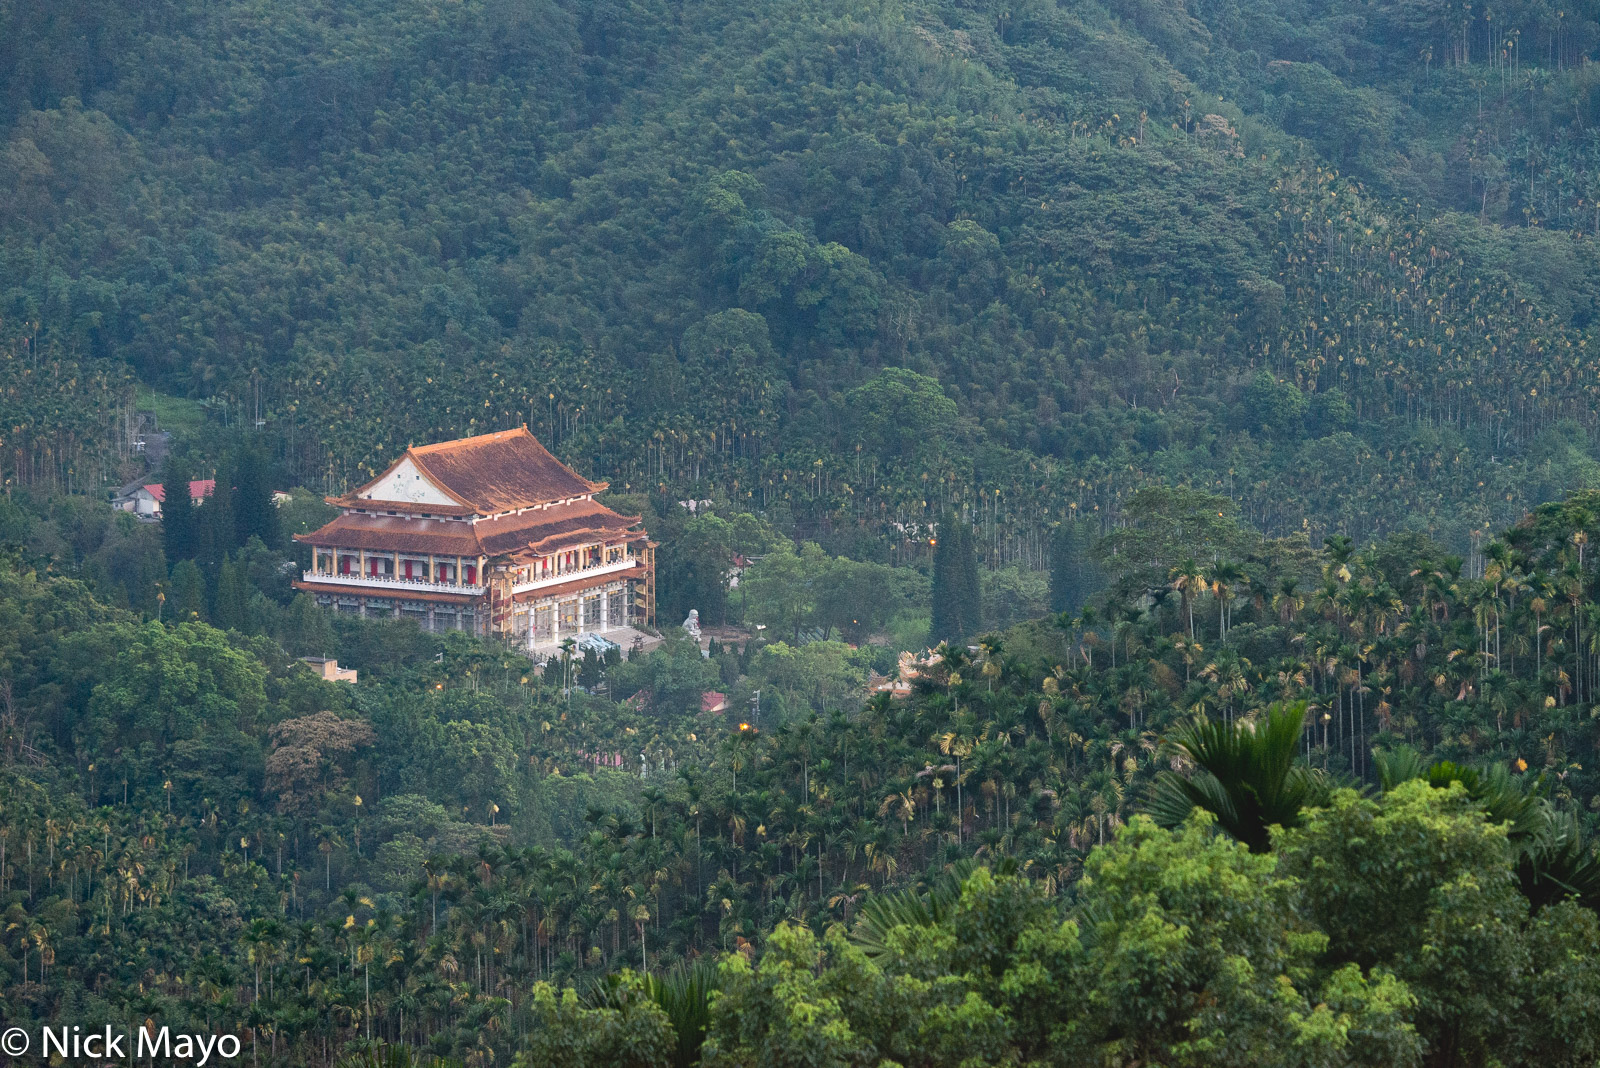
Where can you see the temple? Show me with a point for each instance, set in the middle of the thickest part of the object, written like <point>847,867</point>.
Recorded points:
<point>491,535</point>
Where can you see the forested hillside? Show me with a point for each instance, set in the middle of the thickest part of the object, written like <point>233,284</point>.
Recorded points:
<point>1333,259</point>
<point>1211,383</point>
<point>1392,863</point>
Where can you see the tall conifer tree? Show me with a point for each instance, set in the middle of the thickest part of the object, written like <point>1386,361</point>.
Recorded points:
<point>187,600</point>
<point>957,607</point>
<point>218,530</point>
<point>254,514</point>
<point>307,630</point>
<point>1073,574</point>
<point>179,523</point>
<point>232,610</point>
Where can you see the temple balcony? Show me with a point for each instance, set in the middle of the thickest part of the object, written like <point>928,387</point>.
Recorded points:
<point>392,584</point>
<point>627,563</point>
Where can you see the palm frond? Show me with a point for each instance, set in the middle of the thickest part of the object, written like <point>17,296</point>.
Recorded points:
<point>882,913</point>
<point>1519,804</point>
<point>1559,864</point>
<point>683,993</point>
<point>1398,765</point>
<point>1173,798</point>
<point>1245,775</point>
<point>1553,861</point>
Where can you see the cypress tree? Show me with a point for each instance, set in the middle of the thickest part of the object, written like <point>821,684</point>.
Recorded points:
<point>308,631</point>
<point>1073,573</point>
<point>187,600</point>
<point>254,514</point>
<point>957,605</point>
<point>179,523</point>
<point>232,610</point>
<point>973,600</point>
<point>218,529</point>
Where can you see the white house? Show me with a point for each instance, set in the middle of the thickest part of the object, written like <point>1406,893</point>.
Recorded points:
<point>145,500</point>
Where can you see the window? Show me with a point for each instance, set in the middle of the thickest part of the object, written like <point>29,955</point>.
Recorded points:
<point>472,574</point>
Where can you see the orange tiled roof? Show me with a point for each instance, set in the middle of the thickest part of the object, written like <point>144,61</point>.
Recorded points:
<point>549,530</point>
<point>390,533</point>
<point>491,473</point>
<point>538,532</point>
<point>371,504</point>
<point>199,489</point>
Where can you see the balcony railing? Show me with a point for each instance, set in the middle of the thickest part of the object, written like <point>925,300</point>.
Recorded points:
<point>388,582</point>
<point>593,570</point>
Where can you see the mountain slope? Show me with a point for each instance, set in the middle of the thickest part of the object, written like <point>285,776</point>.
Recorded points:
<point>1336,260</point>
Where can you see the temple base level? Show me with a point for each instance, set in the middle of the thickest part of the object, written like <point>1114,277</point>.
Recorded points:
<point>435,619</point>
<point>629,640</point>
<point>535,631</point>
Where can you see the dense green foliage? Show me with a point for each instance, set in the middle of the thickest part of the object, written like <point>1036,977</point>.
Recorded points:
<point>857,264</point>
<point>1186,949</point>
<point>197,829</point>
<point>1216,340</point>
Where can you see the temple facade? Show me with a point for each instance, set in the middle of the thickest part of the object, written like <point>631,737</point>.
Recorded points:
<point>491,535</point>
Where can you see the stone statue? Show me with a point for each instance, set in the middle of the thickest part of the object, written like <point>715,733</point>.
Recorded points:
<point>692,624</point>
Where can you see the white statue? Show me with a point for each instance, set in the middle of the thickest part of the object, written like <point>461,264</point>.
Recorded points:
<point>692,624</point>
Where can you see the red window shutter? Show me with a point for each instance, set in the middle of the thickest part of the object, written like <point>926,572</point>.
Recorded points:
<point>408,569</point>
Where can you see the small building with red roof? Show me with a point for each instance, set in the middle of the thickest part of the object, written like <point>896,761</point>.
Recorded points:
<point>145,500</point>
